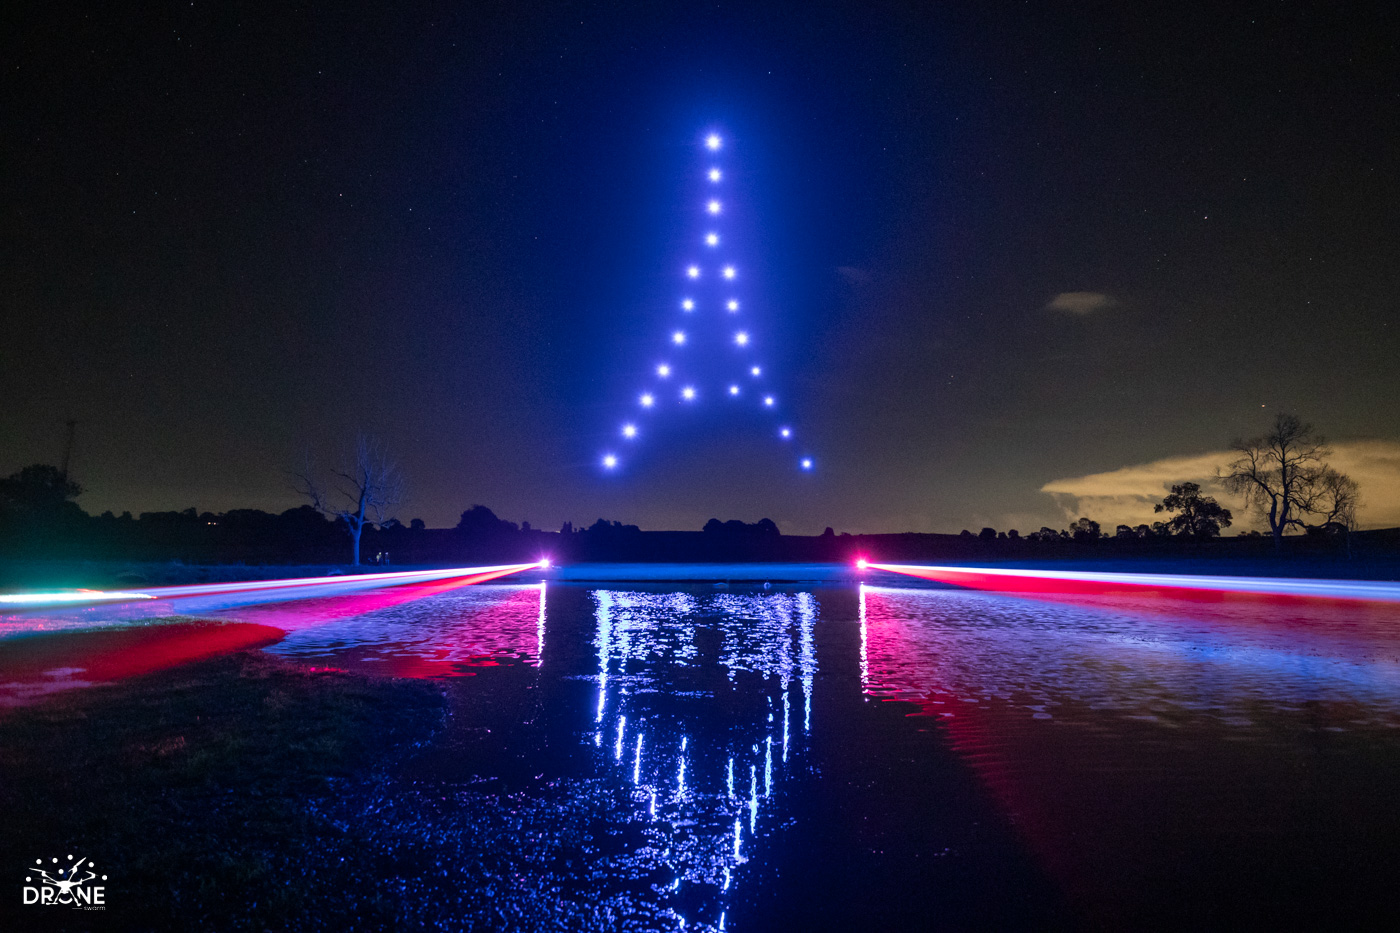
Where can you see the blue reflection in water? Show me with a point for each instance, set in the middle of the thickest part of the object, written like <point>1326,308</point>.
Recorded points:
<point>638,636</point>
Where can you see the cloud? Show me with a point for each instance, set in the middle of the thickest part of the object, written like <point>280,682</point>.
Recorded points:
<point>1081,303</point>
<point>1126,495</point>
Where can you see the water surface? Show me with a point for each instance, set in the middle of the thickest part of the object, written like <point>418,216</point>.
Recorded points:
<point>858,756</point>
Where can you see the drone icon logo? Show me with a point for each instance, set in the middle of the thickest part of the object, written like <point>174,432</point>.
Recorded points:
<point>65,887</point>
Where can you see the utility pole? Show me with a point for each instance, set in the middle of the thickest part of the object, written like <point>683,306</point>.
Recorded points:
<point>68,446</point>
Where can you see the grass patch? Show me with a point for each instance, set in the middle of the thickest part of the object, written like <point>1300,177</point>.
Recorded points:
<point>195,791</point>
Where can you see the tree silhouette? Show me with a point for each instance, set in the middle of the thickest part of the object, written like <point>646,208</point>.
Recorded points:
<point>1284,476</point>
<point>361,493</point>
<point>1086,529</point>
<point>37,491</point>
<point>1196,515</point>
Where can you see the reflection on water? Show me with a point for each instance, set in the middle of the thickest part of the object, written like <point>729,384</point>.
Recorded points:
<point>716,793</point>
<point>440,635</point>
<point>877,756</point>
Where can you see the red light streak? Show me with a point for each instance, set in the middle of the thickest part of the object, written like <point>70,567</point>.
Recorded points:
<point>458,576</point>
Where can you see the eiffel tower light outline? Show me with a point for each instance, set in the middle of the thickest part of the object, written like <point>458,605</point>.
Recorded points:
<point>711,295</point>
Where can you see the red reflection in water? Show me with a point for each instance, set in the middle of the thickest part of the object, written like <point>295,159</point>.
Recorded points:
<point>298,614</point>
<point>33,666</point>
<point>447,642</point>
<point>1093,747</point>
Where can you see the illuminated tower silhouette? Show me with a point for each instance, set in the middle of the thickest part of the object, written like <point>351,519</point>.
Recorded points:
<point>710,354</point>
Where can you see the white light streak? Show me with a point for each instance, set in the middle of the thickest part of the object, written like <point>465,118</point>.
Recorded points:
<point>753,797</point>
<point>787,716</point>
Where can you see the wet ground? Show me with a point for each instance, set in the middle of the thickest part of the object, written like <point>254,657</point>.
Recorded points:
<point>668,756</point>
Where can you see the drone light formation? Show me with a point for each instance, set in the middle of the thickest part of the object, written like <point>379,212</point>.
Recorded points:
<point>710,292</point>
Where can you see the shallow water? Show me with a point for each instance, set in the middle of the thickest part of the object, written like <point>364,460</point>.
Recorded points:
<point>853,757</point>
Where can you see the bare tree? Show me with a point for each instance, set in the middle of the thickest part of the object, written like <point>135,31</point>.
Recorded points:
<point>1285,477</point>
<point>360,493</point>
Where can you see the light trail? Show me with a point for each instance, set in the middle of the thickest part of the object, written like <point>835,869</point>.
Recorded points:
<point>1087,582</point>
<point>292,588</point>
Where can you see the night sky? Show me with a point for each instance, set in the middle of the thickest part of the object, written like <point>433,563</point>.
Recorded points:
<point>989,249</point>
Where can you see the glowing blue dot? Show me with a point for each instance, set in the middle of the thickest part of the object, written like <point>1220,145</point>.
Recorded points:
<point>688,393</point>
<point>693,272</point>
<point>768,400</point>
<point>756,371</point>
<point>678,337</point>
<point>742,339</point>
<point>648,400</point>
<point>712,141</point>
<point>713,207</point>
<point>688,305</point>
<point>729,272</point>
<point>733,305</point>
<point>786,432</point>
<point>712,239</point>
<point>733,390</point>
<point>609,462</point>
<point>806,463</point>
<point>629,430</point>
<point>714,174</point>
<point>663,370</point>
